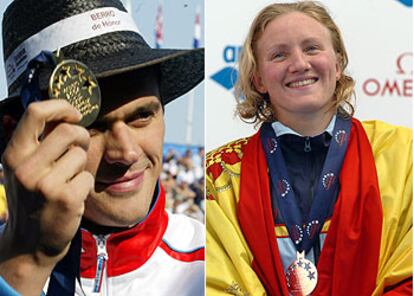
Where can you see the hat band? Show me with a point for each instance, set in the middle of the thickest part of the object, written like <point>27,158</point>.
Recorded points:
<point>71,30</point>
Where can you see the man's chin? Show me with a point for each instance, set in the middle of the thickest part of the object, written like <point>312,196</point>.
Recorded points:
<point>122,221</point>
<point>120,209</point>
<point>116,215</point>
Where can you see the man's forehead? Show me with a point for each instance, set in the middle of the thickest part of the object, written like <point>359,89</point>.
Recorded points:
<point>120,90</point>
<point>123,112</point>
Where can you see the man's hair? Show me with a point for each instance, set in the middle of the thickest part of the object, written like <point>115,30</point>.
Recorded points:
<point>255,107</point>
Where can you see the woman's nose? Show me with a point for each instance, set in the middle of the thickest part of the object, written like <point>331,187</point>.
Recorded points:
<point>299,62</point>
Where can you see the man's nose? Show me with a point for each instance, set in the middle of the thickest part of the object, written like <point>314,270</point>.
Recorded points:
<point>299,62</point>
<point>121,146</point>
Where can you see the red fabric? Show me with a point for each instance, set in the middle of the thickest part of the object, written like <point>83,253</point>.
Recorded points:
<point>349,259</point>
<point>196,255</point>
<point>130,249</point>
<point>403,289</point>
<point>230,158</point>
<point>256,219</point>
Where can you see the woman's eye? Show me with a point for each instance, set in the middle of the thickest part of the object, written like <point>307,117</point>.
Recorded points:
<point>278,56</point>
<point>311,49</point>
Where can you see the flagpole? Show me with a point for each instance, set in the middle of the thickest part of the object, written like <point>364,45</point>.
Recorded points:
<point>159,34</point>
<point>190,106</point>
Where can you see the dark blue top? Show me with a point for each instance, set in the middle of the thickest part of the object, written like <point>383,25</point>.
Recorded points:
<point>304,158</point>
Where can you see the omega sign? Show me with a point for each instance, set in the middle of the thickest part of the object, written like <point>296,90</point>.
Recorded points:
<point>400,85</point>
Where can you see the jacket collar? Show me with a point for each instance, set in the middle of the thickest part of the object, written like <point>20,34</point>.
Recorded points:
<point>127,249</point>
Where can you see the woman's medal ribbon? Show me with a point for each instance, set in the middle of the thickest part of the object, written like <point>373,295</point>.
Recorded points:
<point>304,231</point>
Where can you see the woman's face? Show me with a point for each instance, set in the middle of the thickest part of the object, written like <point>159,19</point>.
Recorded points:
<point>297,66</point>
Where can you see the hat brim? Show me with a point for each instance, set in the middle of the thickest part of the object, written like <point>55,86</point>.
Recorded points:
<point>180,71</point>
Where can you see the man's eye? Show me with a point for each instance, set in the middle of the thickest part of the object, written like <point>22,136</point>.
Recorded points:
<point>142,117</point>
<point>96,128</point>
<point>93,132</point>
<point>145,115</point>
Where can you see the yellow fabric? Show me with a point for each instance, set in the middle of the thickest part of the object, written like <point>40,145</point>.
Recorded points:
<point>392,148</point>
<point>281,230</point>
<point>3,202</point>
<point>228,256</point>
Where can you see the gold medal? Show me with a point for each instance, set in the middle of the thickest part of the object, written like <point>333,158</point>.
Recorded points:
<point>74,82</point>
<point>301,276</point>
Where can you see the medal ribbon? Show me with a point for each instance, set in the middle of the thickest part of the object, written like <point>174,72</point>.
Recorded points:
<point>30,91</point>
<point>67,271</point>
<point>304,231</point>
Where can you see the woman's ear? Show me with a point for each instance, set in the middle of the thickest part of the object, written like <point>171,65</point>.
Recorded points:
<point>338,67</point>
<point>258,83</point>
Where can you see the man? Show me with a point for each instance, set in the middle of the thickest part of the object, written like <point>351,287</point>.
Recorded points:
<point>104,179</point>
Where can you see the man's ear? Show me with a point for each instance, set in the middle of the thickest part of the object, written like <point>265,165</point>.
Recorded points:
<point>9,124</point>
<point>258,83</point>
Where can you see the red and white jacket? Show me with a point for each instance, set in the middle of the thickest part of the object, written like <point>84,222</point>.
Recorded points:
<point>162,255</point>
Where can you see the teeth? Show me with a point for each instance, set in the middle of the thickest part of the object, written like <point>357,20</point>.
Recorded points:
<point>302,82</point>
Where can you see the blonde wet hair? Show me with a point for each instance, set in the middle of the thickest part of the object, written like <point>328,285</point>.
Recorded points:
<point>255,107</point>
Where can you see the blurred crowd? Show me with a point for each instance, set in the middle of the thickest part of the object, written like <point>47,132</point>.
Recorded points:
<point>183,181</point>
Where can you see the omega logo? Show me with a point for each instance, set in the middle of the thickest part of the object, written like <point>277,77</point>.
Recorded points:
<point>396,86</point>
<point>405,63</point>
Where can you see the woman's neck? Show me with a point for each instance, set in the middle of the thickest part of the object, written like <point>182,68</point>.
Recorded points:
<point>308,125</point>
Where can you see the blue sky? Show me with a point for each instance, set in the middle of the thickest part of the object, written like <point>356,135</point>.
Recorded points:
<point>178,33</point>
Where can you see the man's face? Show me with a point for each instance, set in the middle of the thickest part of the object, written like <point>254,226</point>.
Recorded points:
<point>125,152</point>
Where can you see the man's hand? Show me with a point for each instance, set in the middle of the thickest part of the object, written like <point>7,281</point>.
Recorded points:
<point>46,186</point>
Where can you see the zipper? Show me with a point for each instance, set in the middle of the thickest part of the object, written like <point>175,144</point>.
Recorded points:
<point>310,167</point>
<point>307,145</point>
<point>102,259</point>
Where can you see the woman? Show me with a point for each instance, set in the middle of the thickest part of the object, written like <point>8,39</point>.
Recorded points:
<point>314,202</point>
